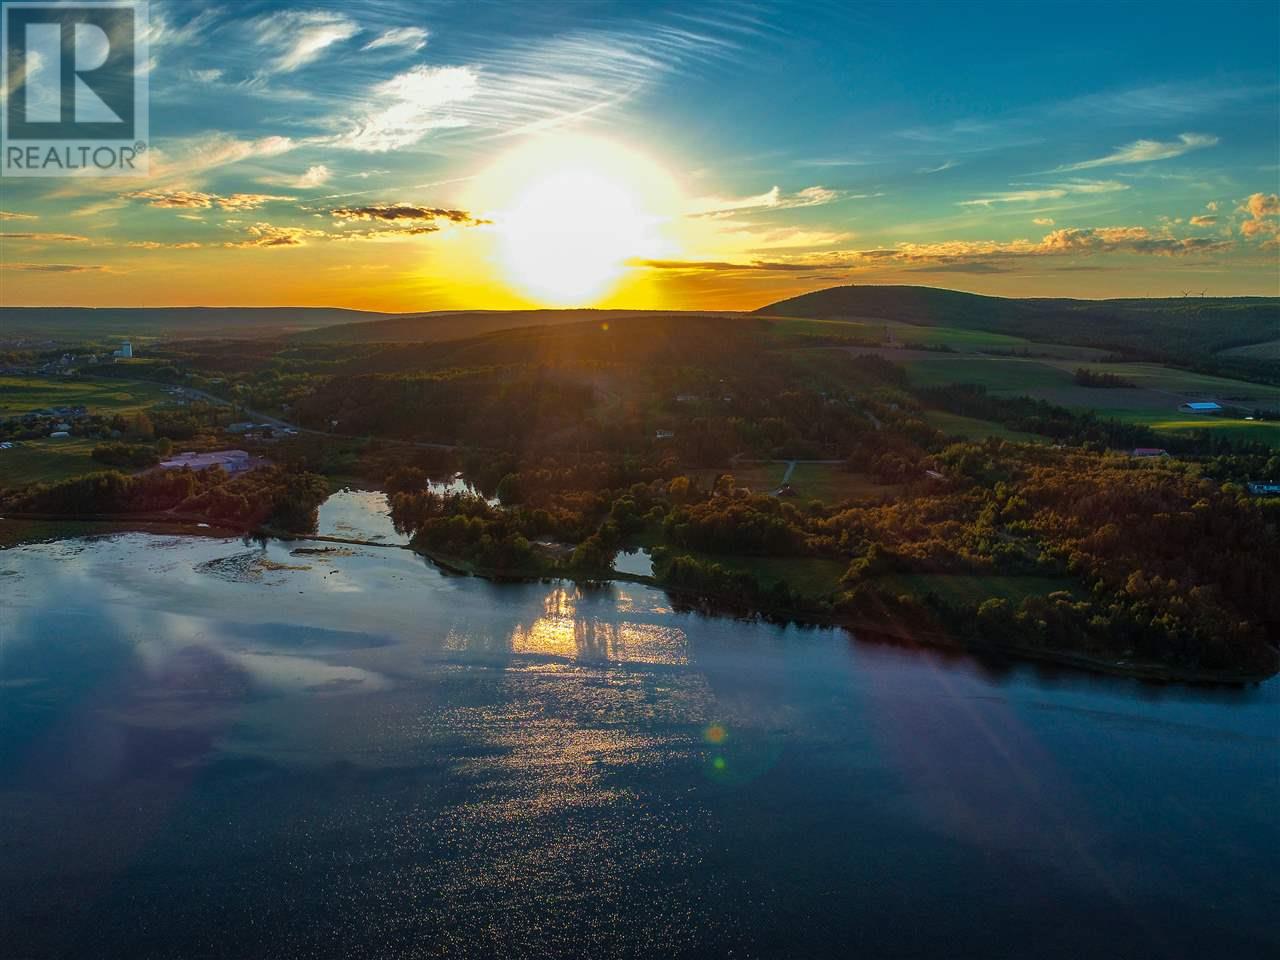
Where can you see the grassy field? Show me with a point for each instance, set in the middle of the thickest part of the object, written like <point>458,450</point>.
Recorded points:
<point>832,483</point>
<point>906,333</point>
<point>960,589</point>
<point>1153,401</point>
<point>954,425</point>
<point>47,461</point>
<point>98,395</point>
<point>1270,350</point>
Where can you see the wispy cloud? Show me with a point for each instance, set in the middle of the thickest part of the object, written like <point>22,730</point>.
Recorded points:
<point>533,86</point>
<point>1145,151</point>
<point>10,215</point>
<point>1054,191</point>
<point>407,107</point>
<point>406,38</point>
<point>193,156</point>
<point>945,165</point>
<point>1015,196</point>
<point>298,37</point>
<point>1168,101</point>
<point>773,199</point>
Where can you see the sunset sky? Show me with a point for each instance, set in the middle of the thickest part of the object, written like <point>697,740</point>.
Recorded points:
<point>420,156</point>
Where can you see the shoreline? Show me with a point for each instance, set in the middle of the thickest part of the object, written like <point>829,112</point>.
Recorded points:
<point>708,604</point>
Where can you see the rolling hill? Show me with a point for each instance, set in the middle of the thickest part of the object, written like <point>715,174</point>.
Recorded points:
<point>170,323</point>
<point>1184,330</point>
<point>433,327</point>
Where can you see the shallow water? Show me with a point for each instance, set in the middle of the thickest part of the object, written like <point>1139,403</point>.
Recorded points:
<point>636,562</point>
<point>217,749</point>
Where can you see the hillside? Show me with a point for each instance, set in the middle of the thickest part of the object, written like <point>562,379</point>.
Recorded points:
<point>88,323</point>
<point>1184,329</point>
<point>432,327</point>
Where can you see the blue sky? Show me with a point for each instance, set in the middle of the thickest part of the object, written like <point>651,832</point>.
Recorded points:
<point>1022,149</point>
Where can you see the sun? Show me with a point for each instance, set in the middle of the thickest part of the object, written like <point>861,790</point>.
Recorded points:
<point>571,212</point>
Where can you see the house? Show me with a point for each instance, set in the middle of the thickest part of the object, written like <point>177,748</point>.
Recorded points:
<point>664,435</point>
<point>125,352</point>
<point>59,435</point>
<point>1150,452</point>
<point>1200,406</point>
<point>232,461</point>
<point>1264,488</point>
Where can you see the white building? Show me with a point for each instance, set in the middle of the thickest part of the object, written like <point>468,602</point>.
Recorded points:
<point>232,461</point>
<point>125,352</point>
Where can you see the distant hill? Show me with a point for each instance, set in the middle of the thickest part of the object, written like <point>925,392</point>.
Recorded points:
<point>433,327</point>
<point>1182,329</point>
<point>170,322</point>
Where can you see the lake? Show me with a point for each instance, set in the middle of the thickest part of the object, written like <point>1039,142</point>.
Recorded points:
<point>212,748</point>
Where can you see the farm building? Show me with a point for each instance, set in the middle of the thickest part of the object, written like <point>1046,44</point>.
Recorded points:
<point>232,461</point>
<point>1200,406</point>
<point>1150,452</point>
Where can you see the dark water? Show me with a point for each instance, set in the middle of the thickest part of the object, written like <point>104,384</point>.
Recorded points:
<point>214,750</point>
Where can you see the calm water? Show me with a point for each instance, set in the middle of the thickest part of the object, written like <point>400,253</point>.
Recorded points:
<point>209,749</point>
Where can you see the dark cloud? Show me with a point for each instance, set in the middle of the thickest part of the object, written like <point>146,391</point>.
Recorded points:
<point>45,237</point>
<point>55,267</point>
<point>197,200</point>
<point>269,235</point>
<point>404,213</point>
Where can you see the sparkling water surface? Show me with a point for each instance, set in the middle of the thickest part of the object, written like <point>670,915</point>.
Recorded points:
<point>213,748</point>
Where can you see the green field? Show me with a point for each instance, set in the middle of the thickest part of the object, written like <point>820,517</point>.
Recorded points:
<point>98,395</point>
<point>962,589</point>
<point>832,483</point>
<point>1153,400</point>
<point>1270,350</point>
<point>47,461</point>
<point>877,331</point>
<point>954,425</point>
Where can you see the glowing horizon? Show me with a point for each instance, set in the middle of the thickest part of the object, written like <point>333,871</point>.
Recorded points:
<point>376,156</point>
